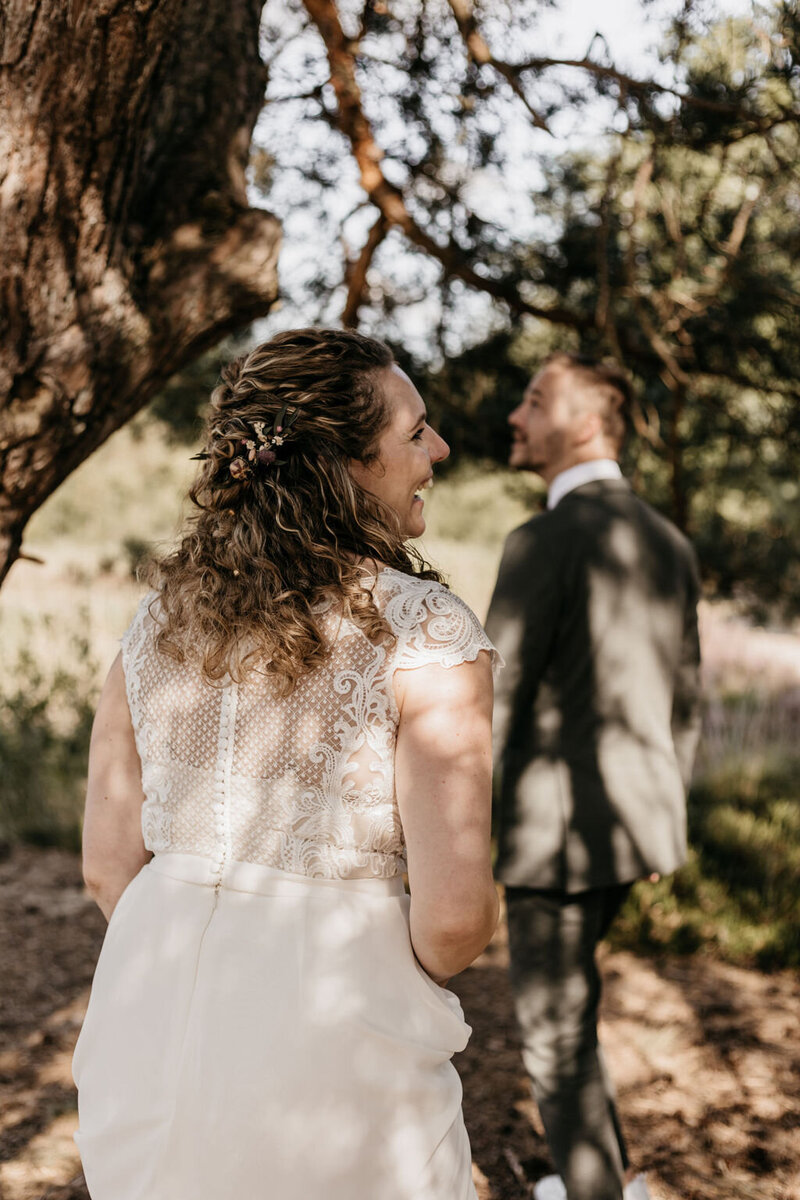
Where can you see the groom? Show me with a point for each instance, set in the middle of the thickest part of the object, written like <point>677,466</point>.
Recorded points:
<point>596,725</point>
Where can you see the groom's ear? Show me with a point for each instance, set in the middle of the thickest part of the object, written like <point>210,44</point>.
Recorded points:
<point>588,426</point>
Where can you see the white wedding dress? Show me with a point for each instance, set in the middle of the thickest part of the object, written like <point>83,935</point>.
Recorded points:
<point>259,1028</point>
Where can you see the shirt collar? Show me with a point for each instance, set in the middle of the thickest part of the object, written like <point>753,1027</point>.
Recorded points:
<point>574,477</point>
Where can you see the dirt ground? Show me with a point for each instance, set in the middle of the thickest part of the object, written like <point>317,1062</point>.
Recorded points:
<point>706,1058</point>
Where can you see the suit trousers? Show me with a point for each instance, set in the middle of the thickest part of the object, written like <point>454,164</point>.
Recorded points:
<point>553,937</point>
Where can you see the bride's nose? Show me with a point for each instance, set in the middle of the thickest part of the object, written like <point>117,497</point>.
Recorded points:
<point>439,450</point>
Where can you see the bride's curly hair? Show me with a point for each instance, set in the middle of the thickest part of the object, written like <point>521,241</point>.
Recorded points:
<point>262,550</point>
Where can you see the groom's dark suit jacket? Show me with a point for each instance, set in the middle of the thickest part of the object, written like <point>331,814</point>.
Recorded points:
<point>596,717</point>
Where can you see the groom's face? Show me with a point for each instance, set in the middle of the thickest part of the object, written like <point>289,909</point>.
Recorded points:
<point>542,425</point>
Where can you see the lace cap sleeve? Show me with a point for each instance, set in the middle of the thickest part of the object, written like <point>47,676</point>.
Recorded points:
<point>134,648</point>
<point>132,637</point>
<point>441,630</point>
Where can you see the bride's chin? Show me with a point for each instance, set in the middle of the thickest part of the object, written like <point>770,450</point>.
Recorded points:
<point>415,526</point>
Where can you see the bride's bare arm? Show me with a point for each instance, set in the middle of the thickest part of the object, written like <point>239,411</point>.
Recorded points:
<point>443,779</point>
<point>113,849</point>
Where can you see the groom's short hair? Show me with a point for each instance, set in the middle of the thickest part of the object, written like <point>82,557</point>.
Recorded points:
<point>608,385</point>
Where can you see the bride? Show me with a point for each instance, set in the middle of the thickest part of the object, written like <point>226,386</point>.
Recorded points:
<point>300,713</point>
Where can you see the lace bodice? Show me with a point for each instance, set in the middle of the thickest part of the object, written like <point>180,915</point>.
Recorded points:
<point>305,782</point>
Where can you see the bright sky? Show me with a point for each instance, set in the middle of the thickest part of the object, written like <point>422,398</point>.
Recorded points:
<point>569,29</point>
<point>629,26</point>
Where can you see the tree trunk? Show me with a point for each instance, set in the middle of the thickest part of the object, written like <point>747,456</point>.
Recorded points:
<point>126,242</point>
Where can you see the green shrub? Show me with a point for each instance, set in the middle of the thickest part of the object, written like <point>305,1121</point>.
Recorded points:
<point>136,550</point>
<point>738,897</point>
<point>45,724</point>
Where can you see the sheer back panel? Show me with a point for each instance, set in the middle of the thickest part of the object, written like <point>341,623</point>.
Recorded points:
<point>304,782</point>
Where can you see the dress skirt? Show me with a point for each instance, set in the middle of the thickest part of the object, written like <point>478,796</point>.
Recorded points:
<point>271,1038</point>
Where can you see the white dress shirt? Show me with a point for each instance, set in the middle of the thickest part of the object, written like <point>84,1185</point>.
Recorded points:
<point>574,477</point>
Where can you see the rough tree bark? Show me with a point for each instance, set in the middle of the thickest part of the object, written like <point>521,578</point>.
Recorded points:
<point>127,245</point>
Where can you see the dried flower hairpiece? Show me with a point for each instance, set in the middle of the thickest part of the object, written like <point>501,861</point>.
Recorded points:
<point>258,450</point>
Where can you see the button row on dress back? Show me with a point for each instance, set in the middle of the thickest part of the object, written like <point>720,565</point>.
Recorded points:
<point>227,720</point>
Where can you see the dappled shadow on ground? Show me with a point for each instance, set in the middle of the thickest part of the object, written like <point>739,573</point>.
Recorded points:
<point>706,1058</point>
<point>50,936</point>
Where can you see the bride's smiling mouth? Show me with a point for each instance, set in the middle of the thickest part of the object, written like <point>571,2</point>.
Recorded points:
<point>425,486</point>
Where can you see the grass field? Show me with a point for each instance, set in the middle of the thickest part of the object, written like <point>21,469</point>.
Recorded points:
<point>739,895</point>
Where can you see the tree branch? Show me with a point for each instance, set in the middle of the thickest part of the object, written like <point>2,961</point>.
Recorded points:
<point>674,373</point>
<point>480,53</point>
<point>314,93</point>
<point>641,87</point>
<point>733,245</point>
<point>388,199</point>
<point>356,272</point>
<point>604,318</point>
